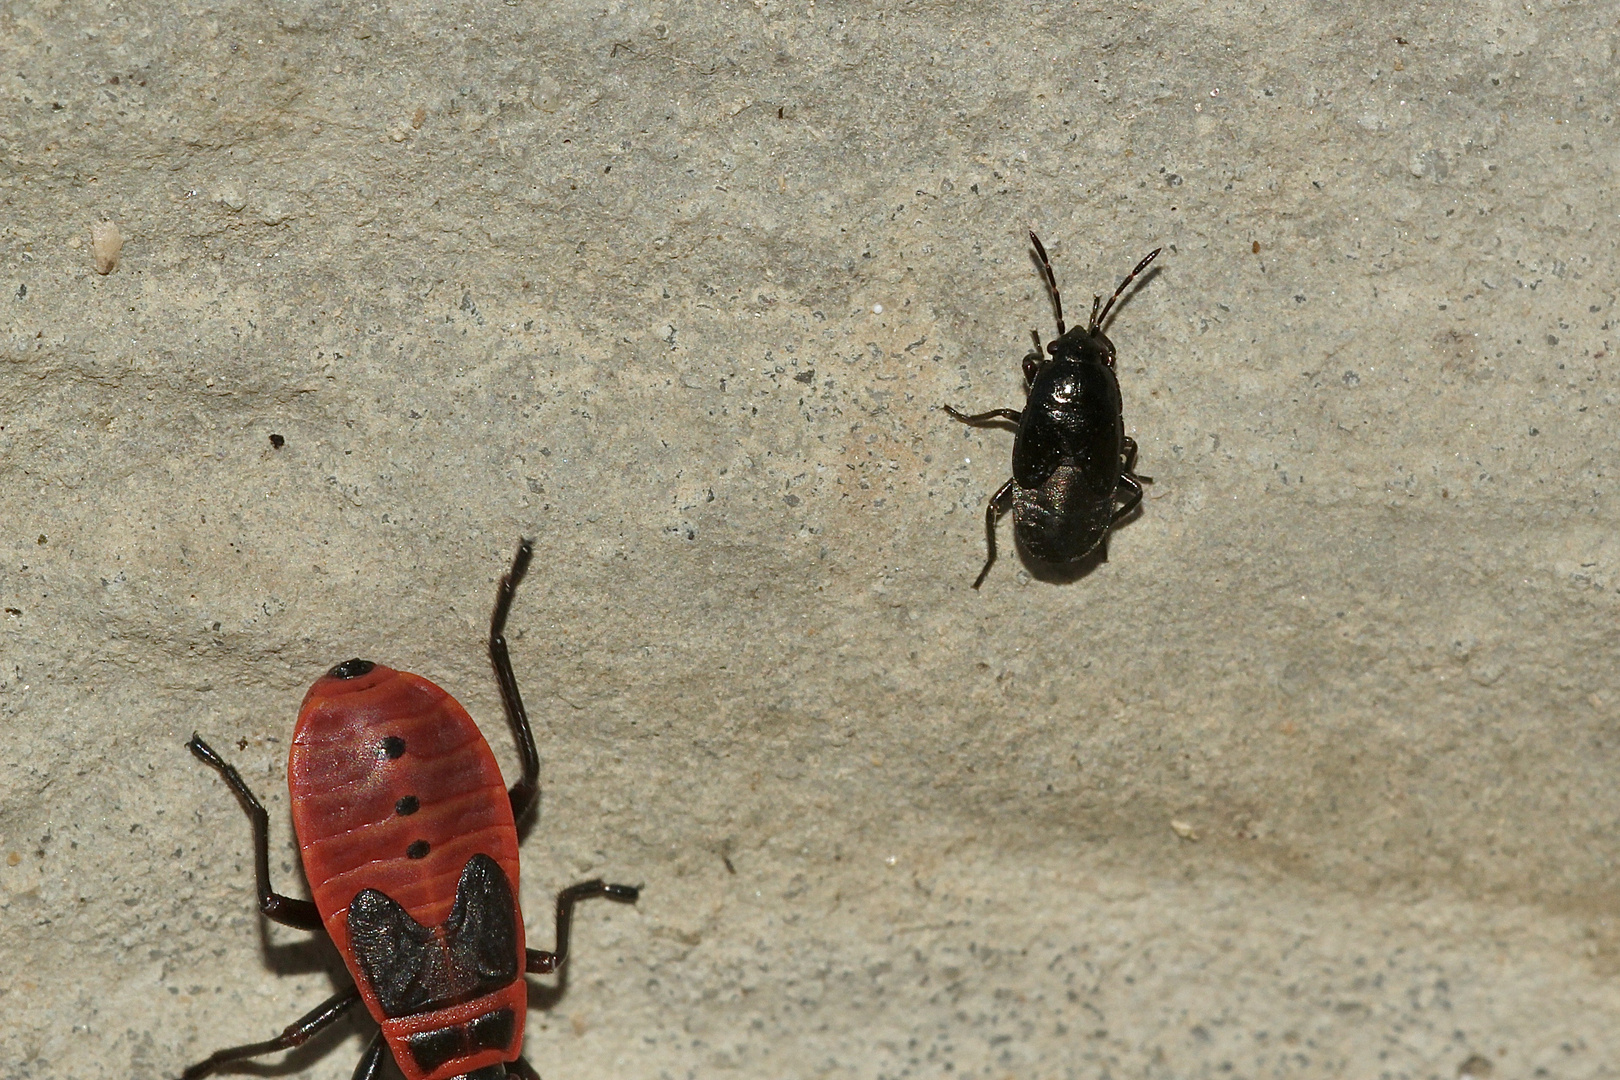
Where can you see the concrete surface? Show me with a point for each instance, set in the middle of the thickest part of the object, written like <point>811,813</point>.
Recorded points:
<point>1315,778</point>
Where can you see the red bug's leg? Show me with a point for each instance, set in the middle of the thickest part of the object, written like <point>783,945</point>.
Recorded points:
<point>282,909</point>
<point>992,514</point>
<point>986,417</point>
<point>521,1069</point>
<point>526,791</point>
<point>297,1034</point>
<point>540,962</point>
<point>371,1062</point>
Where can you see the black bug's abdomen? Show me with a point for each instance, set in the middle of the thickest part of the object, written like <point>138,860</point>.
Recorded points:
<point>1061,520</point>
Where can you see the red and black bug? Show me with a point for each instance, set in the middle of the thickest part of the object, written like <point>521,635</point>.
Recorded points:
<point>409,841</point>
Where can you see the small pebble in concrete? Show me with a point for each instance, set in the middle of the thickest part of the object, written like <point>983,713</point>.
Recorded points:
<point>106,243</point>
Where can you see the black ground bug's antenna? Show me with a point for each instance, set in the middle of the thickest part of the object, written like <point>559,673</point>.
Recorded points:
<point>1096,319</point>
<point>1051,281</point>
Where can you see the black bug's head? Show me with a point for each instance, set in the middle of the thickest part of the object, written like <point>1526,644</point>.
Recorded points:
<point>351,669</point>
<point>1083,344</point>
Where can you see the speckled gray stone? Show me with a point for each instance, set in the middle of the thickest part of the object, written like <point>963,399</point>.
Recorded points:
<point>1315,778</point>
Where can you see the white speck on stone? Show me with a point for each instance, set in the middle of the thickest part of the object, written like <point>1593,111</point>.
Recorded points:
<point>106,243</point>
<point>230,196</point>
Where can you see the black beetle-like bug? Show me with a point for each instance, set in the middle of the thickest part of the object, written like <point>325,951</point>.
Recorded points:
<point>1073,465</point>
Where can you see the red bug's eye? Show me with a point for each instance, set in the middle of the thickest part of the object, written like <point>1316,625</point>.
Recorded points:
<point>351,669</point>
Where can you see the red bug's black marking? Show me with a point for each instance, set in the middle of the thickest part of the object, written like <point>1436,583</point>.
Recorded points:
<point>412,969</point>
<point>450,997</point>
<point>351,669</point>
<point>492,1031</point>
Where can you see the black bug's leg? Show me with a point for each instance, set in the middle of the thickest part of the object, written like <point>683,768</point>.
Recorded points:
<point>1032,360</point>
<point>521,1069</point>
<point>986,417</point>
<point>992,514</point>
<point>296,1034</point>
<point>1091,324</point>
<point>1132,500</point>
<point>526,791</point>
<point>283,909</point>
<point>1128,462</point>
<point>1051,283</point>
<point>369,1067</point>
<point>1097,320</point>
<point>540,962</point>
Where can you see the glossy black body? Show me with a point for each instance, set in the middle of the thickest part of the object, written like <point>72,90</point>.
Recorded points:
<point>1073,465</point>
<point>1068,453</point>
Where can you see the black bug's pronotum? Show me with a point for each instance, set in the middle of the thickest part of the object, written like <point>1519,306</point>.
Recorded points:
<point>1074,467</point>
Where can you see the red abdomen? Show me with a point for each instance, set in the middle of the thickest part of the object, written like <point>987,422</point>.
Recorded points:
<point>394,795</point>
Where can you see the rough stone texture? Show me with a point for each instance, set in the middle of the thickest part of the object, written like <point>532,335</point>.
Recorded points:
<point>1315,778</point>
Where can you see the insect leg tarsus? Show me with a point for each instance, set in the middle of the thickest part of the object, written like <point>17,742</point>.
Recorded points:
<point>370,1065</point>
<point>1127,462</point>
<point>986,417</point>
<point>286,910</point>
<point>993,510</point>
<point>1132,500</point>
<point>540,962</point>
<point>526,792</point>
<point>296,1034</point>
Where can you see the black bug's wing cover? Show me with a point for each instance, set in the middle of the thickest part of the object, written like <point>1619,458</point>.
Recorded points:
<point>1072,417</point>
<point>480,929</point>
<point>414,968</point>
<point>393,950</point>
<point>1039,447</point>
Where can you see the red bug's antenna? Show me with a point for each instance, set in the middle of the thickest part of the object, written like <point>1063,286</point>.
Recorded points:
<point>1096,319</point>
